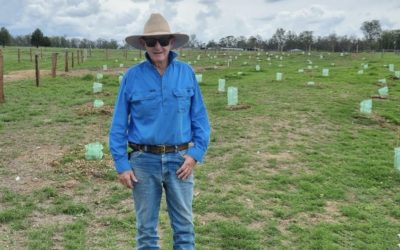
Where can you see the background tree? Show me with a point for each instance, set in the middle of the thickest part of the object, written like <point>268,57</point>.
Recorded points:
<point>46,42</point>
<point>372,31</point>
<point>193,42</point>
<point>390,39</point>
<point>5,37</point>
<point>279,38</point>
<point>212,44</point>
<point>291,40</point>
<point>241,42</point>
<point>252,43</point>
<point>333,40</point>
<point>306,39</point>
<point>37,38</point>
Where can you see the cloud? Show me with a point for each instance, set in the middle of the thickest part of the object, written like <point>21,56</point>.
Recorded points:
<point>207,2</point>
<point>208,14</point>
<point>8,12</point>
<point>314,18</point>
<point>82,8</point>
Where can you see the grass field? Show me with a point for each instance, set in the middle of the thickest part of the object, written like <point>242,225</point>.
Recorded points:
<point>300,168</point>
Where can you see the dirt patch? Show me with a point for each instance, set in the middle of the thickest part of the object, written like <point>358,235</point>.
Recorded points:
<point>30,74</point>
<point>237,107</point>
<point>209,217</point>
<point>89,109</point>
<point>330,215</point>
<point>38,220</point>
<point>282,156</point>
<point>26,172</point>
<point>24,74</point>
<point>12,239</point>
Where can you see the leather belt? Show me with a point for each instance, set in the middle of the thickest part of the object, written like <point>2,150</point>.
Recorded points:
<point>158,149</point>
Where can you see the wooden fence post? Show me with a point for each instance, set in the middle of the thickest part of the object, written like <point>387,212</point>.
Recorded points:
<point>19,55</point>
<point>37,69</point>
<point>54,64</point>
<point>77,57</point>
<point>82,56</point>
<point>2,99</point>
<point>72,59</point>
<point>66,60</point>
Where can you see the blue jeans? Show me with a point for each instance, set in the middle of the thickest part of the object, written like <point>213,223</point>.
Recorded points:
<point>155,172</point>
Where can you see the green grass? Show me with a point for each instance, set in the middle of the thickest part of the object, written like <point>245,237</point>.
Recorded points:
<point>300,168</point>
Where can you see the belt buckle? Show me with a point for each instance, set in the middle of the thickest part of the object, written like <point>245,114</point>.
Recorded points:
<point>163,149</point>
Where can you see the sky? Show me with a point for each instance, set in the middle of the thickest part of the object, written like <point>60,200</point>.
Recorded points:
<point>207,19</point>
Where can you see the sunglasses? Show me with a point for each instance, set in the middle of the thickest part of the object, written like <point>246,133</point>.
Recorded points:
<point>152,41</point>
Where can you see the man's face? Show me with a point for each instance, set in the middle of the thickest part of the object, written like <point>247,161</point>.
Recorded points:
<point>158,47</point>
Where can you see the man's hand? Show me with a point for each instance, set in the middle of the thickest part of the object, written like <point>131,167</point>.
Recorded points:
<point>127,179</point>
<point>187,167</point>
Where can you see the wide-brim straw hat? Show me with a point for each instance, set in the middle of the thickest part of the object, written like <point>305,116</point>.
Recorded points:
<point>157,26</point>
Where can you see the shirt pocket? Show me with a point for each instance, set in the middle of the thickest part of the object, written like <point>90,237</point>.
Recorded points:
<point>144,104</point>
<point>183,97</point>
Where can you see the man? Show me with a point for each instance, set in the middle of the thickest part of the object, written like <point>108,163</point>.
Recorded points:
<point>160,114</point>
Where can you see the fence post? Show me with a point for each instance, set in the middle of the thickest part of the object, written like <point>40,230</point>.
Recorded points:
<point>66,60</point>
<point>82,56</point>
<point>19,55</point>
<point>54,64</point>
<point>37,69</point>
<point>77,57</point>
<point>1,78</point>
<point>72,59</point>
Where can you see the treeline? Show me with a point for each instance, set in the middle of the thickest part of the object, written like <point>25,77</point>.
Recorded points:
<point>374,39</point>
<point>37,38</point>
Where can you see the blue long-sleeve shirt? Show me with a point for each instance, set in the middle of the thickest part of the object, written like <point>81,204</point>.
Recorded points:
<point>154,109</point>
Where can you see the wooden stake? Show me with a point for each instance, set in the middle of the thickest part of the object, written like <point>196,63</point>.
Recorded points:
<point>19,55</point>
<point>72,58</point>
<point>37,69</point>
<point>66,61</point>
<point>2,99</point>
<point>54,64</point>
